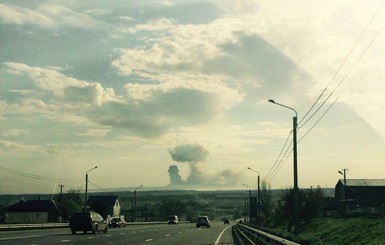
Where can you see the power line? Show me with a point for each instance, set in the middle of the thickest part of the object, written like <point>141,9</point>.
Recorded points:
<point>37,177</point>
<point>342,80</point>
<point>342,64</point>
<point>274,167</point>
<point>96,186</point>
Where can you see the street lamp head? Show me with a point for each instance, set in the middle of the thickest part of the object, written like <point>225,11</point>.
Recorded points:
<point>271,101</point>
<point>340,172</point>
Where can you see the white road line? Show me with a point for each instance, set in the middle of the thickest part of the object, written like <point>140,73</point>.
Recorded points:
<point>220,235</point>
<point>148,240</point>
<point>65,240</point>
<point>19,237</point>
<point>168,235</point>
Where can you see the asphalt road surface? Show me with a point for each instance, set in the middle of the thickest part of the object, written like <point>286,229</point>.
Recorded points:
<point>186,234</point>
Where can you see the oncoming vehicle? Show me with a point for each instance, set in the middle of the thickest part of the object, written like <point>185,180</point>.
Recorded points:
<point>173,219</point>
<point>226,221</point>
<point>203,221</point>
<point>87,221</point>
<point>117,222</point>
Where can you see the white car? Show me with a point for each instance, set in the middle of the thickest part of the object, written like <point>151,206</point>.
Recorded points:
<point>203,221</point>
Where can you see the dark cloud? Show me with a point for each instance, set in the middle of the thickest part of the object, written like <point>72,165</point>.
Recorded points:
<point>188,153</point>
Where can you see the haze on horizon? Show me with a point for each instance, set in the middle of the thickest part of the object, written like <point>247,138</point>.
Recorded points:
<point>166,93</point>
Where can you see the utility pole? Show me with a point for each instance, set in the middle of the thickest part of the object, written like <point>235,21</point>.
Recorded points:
<point>296,190</point>
<point>345,192</point>
<point>60,201</point>
<point>85,194</point>
<point>259,201</point>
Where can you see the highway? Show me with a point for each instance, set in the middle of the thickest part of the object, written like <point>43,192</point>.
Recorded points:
<point>161,234</point>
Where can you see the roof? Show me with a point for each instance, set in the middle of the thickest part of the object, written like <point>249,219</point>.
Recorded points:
<point>363,182</point>
<point>107,200</point>
<point>33,206</point>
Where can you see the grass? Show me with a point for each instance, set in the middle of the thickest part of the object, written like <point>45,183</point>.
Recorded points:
<point>349,231</point>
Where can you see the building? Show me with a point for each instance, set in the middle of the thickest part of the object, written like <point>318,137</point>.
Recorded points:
<point>32,211</point>
<point>366,196</point>
<point>105,205</point>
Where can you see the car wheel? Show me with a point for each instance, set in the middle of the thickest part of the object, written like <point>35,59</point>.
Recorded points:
<point>85,231</point>
<point>197,226</point>
<point>73,232</point>
<point>105,230</point>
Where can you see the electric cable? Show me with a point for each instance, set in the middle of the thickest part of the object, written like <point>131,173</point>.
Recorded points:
<point>340,67</point>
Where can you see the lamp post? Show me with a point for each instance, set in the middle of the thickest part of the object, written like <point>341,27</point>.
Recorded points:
<point>85,196</point>
<point>345,197</point>
<point>296,191</point>
<point>134,206</point>
<point>258,192</point>
<point>247,203</point>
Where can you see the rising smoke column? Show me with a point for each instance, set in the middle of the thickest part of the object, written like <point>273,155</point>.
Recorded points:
<point>191,154</point>
<point>175,178</point>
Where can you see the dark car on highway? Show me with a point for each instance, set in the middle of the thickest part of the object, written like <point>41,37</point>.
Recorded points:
<point>87,221</point>
<point>173,219</point>
<point>203,221</point>
<point>117,223</point>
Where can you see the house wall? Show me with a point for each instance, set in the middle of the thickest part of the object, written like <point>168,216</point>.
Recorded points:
<point>116,209</point>
<point>26,217</point>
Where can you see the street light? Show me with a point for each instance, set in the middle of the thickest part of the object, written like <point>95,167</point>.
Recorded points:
<point>134,206</point>
<point>296,205</point>
<point>259,191</point>
<point>85,196</point>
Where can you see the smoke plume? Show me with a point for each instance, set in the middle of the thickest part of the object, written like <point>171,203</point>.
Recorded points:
<point>175,178</point>
<point>194,155</point>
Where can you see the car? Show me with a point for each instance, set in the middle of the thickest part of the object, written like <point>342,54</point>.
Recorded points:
<point>117,222</point>
<point>87,221</point>
<point>226,221</point>
<point>203,221</point>
<point>172,219</point>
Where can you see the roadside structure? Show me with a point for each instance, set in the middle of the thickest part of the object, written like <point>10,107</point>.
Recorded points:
<point>32,211</point>
<point>105,205</point>
<point>360,196</point>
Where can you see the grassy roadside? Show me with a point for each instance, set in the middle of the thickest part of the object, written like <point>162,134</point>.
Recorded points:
<point>350,231</point>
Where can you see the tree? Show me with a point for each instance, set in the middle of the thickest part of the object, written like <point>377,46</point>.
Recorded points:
<point>310,204</point>
<point>71,202</point>
<point>266,200</point>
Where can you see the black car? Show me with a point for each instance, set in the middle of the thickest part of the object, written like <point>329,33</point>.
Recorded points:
<point>203,221</point>
<point>117,222</point>
<point>87,221</point>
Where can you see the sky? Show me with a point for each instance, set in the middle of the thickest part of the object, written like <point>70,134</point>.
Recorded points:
<point>174,94</point>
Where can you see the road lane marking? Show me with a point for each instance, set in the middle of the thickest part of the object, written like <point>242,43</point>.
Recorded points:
<point>220,235</point>
<point>19,237</point>
<point>168,235</point>
<point>65,240</point>
<point>148,240</point>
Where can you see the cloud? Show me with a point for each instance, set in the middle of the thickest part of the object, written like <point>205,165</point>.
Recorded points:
<point>46,16</point>
<point>188,153</point>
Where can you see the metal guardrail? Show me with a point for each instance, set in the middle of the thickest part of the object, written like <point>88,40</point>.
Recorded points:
<point>255,236</point>
<point>10,227</point>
